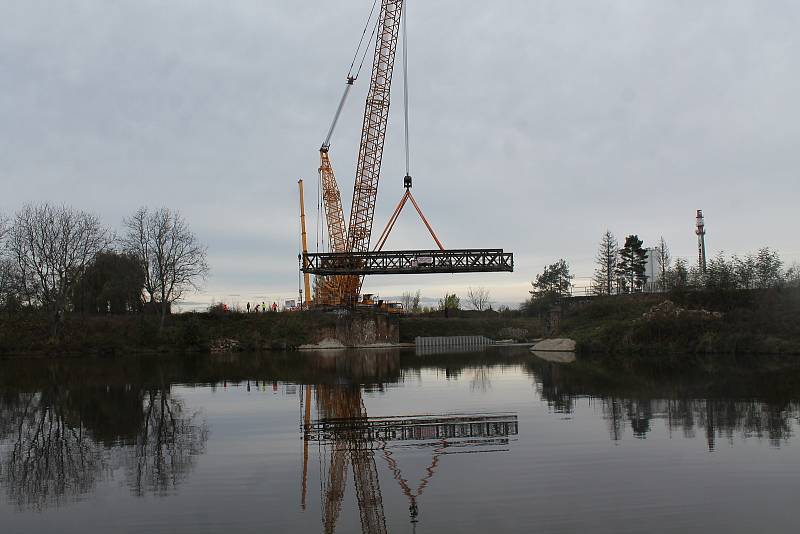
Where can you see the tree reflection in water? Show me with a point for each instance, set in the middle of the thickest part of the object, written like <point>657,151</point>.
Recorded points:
<point>50,457</point>
<point>166,446</point>
<point>59,443</point>
<point>722,404</point>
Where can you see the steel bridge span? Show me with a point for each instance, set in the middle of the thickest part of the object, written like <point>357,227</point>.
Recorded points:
<point>409,262</point>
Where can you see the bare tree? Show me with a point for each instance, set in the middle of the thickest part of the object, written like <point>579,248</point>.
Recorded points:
<point>663,257</point>
<point>9,282</point>
<point>792,276</point>
<point>7,270</point>
<point>478,298</point>
<point>51,246</point>
<point>410,301</point>
<point>173,259</point>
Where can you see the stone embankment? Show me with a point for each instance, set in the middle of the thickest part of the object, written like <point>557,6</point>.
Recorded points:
<point>555,345</point>
<point>556,350</point>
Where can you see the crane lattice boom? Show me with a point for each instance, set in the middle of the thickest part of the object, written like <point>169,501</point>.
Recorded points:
<point>334,214</point>
<point>373,134</point>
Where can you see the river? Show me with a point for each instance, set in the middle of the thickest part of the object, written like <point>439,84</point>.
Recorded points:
<point>388,441</point>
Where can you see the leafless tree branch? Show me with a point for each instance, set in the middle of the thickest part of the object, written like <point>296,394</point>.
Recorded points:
<point>50,247</point>
<point>478,298</point>
<point>174,261</point>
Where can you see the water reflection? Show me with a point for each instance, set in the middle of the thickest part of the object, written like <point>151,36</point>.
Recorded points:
<point>51,455</point>
<point>720,403</point>
<point>350,438</point>
<point>68,426</point>
<point>60,441</point>
<point>166,446</point>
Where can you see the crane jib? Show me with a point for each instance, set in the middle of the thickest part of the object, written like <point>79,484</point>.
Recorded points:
<point>373,134</point>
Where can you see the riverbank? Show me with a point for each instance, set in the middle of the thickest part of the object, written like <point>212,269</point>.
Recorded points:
<point>723,322</point>
<point>30,333</point>
<point>733,322</point>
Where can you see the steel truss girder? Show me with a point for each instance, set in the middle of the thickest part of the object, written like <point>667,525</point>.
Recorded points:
<point>416,428</point>
<point>409,262</point>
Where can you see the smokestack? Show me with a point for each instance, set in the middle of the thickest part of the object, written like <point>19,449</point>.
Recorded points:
<point>701,241</point>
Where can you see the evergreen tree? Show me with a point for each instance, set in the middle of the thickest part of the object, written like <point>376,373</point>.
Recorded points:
<point>632,265</point>
<point>554,280</point>
<point>603,281</point>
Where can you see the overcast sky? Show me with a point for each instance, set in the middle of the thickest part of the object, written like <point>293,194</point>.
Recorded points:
<point>535,125</point>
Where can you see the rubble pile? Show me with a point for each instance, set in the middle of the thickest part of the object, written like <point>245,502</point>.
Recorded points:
<point>669,310</point>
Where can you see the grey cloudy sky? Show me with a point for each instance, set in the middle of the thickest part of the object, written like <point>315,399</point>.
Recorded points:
<point>535,125</point>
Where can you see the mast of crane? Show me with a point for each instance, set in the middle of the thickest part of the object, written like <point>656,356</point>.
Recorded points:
<point>334,214</point>
<point>373,135</point>
<point>306,276</point>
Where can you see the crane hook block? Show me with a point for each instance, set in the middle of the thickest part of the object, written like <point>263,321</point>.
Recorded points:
<point>407,182</point>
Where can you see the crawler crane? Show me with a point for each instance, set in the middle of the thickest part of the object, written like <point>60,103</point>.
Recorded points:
<point>343,268</point>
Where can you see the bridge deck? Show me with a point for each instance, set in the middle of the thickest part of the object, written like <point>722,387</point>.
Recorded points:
<point>409,262</point>
<point>418,428</point>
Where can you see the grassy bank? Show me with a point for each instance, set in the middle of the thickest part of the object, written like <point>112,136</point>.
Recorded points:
<point>730,322</point>
<point>30,332</point>
<point>724,322</point>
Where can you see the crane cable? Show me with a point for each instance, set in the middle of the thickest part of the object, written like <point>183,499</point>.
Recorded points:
<point>361,41</point>
<point>405,82</point>
<point>351,77</point>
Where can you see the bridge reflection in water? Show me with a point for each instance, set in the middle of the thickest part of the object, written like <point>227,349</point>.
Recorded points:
<point>349,437</point>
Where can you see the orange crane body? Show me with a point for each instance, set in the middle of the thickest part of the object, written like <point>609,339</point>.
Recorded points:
<point>334,216</point>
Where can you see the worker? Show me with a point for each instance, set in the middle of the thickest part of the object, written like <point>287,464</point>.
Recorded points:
<point>257,305</point>
<point>263,307</point>
<point>248,307</point>
<point>274,306</point>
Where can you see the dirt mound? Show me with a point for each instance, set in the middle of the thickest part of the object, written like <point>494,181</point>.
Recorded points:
<point>669,310</point>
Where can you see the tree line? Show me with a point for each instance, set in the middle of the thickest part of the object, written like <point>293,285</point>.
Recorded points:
<point>59,259</point>
<point>623,269</point>
<point>477,298</point>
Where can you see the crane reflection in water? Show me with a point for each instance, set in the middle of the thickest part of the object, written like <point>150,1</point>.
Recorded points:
<point>348,437</point>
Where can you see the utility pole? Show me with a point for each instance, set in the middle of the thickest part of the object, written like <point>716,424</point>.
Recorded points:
<point>701,241</point>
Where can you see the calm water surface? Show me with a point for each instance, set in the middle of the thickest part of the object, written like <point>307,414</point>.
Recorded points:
<point>498,441</point>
